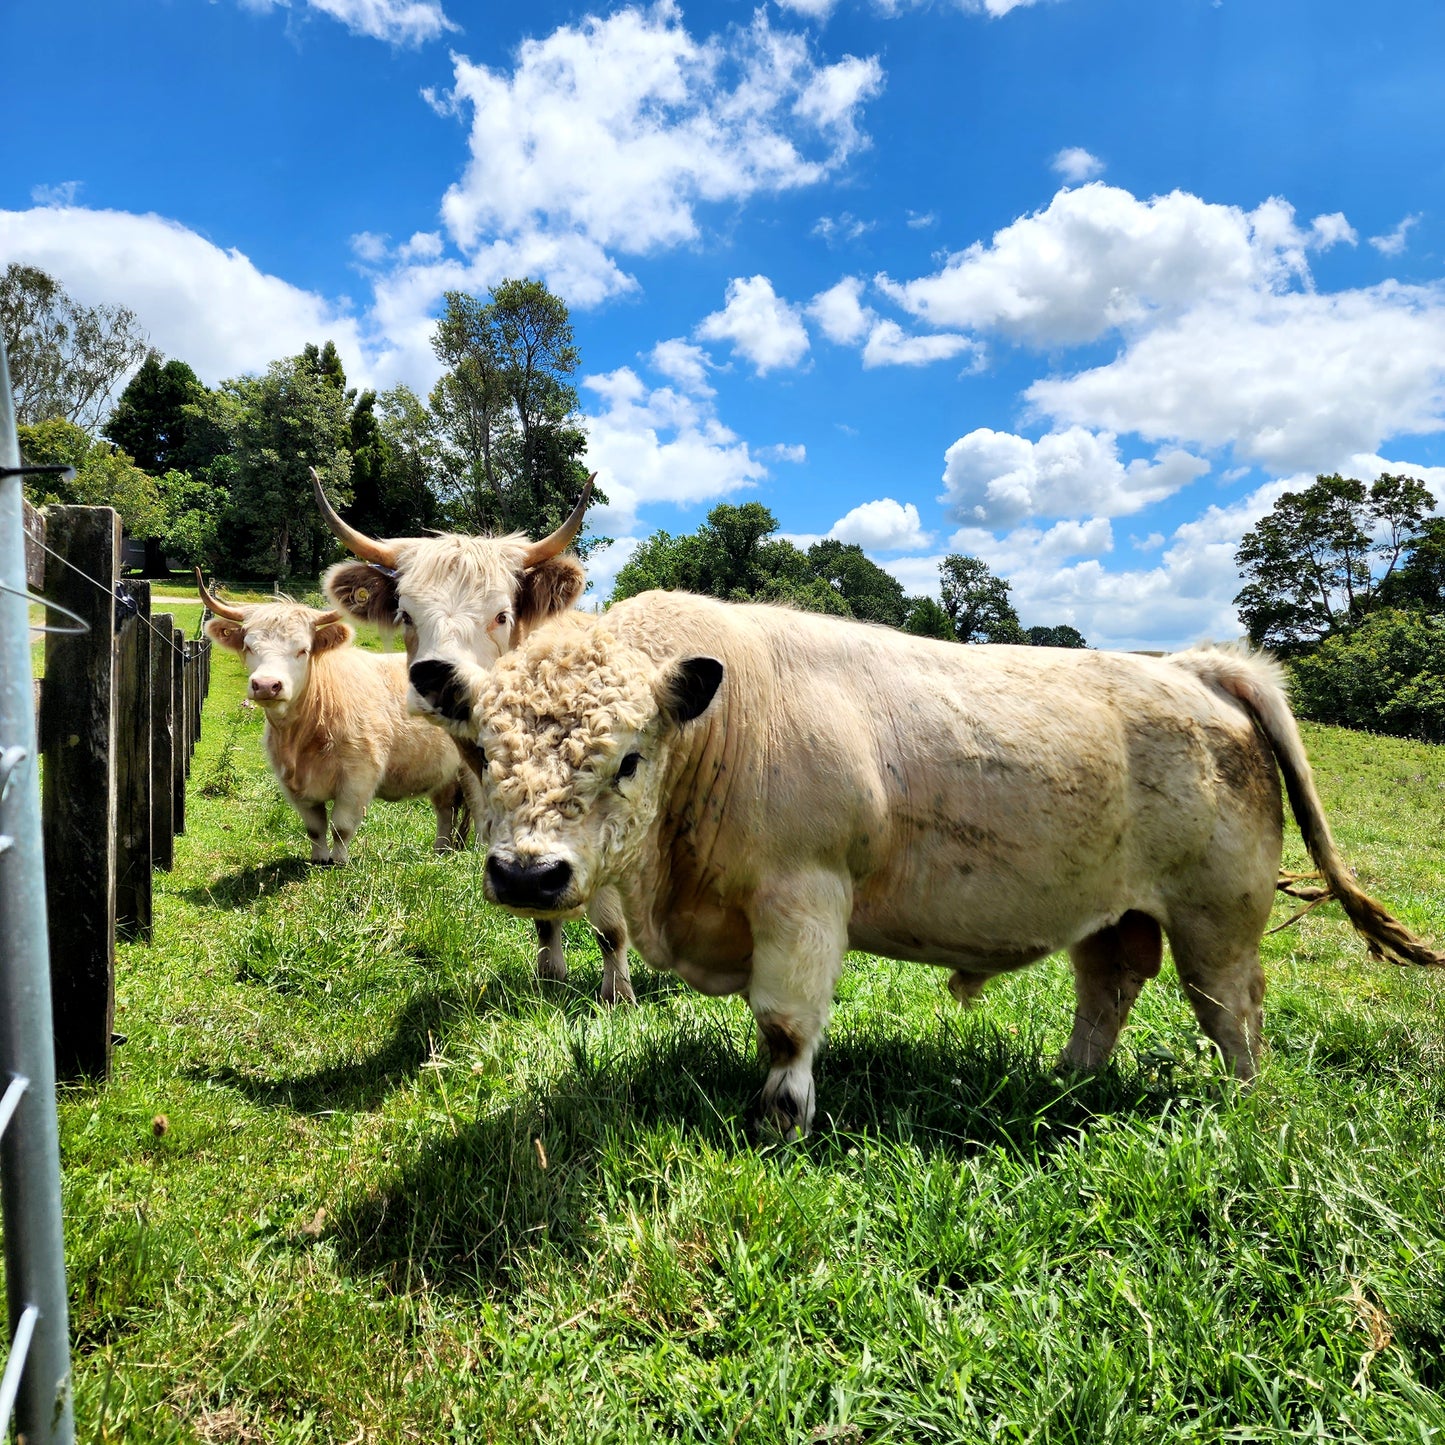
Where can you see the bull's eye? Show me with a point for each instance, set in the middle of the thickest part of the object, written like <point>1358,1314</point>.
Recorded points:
<point>628,765</point>
<point>302,651</point>
<point>502,619</point>
<point>405,619</point>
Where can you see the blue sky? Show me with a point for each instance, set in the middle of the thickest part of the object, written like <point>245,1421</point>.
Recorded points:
<point>1078,286</point>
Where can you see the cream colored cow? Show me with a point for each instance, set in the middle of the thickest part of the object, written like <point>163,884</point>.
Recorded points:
<point>466,601</point>
<point>337,728</point>
<point>767,789</point>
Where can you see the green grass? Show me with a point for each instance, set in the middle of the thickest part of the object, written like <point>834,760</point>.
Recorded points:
<point>360,1177</point>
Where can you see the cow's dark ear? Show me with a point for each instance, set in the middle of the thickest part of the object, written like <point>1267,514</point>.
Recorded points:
<point>548,588</point>
<point>331,634</point>
<point>363,591</point>
<point>685,690</point>
<point>228,634</point>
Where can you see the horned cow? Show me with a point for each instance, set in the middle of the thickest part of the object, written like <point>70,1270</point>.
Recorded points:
<point>463,602</point>
<point>767,789</point>
<point>337,728</point>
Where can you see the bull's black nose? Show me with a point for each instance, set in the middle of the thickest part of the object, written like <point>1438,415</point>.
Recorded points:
<point>439,684</point>
<point>527,882</point>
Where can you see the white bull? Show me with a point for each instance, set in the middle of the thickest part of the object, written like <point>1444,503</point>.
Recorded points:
<point>465,601</point>
<point>767,789</point>
<point>337,728</point>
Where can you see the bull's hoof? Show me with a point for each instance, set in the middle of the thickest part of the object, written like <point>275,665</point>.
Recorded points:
<point>617,991</point>
<point>322,863</point>
<point>781,1115</point>
<point>554,969</point>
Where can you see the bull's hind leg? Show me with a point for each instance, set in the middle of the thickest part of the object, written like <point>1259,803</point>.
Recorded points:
<point>800,933</point>
<point>1111,968</point>
<point>551,960</point>
<point>606,918</point>
<point>444,802</point>
<point>1217,956</point>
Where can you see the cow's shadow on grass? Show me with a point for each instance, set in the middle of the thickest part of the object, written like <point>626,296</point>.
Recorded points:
<point>424,1025</point>
<point>470,1205</point>
<point>364,1082</point>
<point>246,885</point>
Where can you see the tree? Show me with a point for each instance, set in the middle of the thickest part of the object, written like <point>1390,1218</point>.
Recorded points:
<point>977,602</point>
<point>280,425</point>
<point>1385,676</point>
<point>1419,581</point>
<point>104,476</point>
<point>1061,636</point>
<point>506,411</point>
<point>192,508</point>
<point>735,556</point>
<point>150,420</point>
<point>871,593</point>
<point>925,618</point>
<point>65,358</point>
<point>394,456</point>
<point>1314,566</point>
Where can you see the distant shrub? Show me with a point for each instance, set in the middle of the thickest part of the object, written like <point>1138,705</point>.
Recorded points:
<point>1387,676</point>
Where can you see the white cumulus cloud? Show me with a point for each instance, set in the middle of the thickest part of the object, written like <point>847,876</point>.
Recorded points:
<point>659,445</point>
<point>401,22</point>
<point>616,129</point>
<point>1296,381</point>
<point>1075,164</point>
<point>1392,243</point>
<point>995,479</point>
<point>761,326</point>
<point>210,307</point>
<point>684,363</point>
<point>882,526</point>
<point>1098,258</point>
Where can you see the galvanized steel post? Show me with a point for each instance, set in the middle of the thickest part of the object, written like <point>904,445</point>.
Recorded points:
<point>30,1144</point>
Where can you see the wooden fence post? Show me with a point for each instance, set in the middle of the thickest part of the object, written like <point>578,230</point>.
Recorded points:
<point>190,670</point>
<point>78,741</point>
<point>163,851</point>
<point>133,761</point>
<point>178,730</point>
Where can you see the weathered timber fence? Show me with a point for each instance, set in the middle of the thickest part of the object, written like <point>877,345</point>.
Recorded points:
<point>119,715</point>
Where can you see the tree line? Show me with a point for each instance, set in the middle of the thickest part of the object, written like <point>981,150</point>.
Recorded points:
<point>1346,580</point>
<point>737,555</point>
<point>220,477</point>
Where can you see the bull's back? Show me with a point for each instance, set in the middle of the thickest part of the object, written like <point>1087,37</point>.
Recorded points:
<point>985,801</point>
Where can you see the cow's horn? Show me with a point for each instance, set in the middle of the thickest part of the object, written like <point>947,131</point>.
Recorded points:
<point>365,547</point>
<point>231,614</point>
<point>562,537</point>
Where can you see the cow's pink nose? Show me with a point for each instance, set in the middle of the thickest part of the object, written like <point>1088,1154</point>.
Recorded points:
<point>265,687</point>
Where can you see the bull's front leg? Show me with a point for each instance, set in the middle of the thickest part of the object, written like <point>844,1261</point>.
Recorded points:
<point>313,816</point>
<point>800,934</point>
<point>346,814</point>
<point>551,958</point>
<point>607,919</point>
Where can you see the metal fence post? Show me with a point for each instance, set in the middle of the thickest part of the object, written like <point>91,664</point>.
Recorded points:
<point>29,1146</point>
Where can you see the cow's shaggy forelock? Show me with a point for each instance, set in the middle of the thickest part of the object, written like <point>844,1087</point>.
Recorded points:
<point>564,703</point>
<point>455,565</point>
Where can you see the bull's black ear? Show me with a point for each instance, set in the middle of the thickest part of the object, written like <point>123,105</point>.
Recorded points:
<point>548,588</point>
<point>363,591</point>
<point>687,688</point>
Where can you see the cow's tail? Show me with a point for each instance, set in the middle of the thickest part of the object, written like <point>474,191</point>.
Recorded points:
<point>1258,683</point>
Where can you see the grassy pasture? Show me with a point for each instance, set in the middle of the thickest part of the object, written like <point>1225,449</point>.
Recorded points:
<point>360,1177</point>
